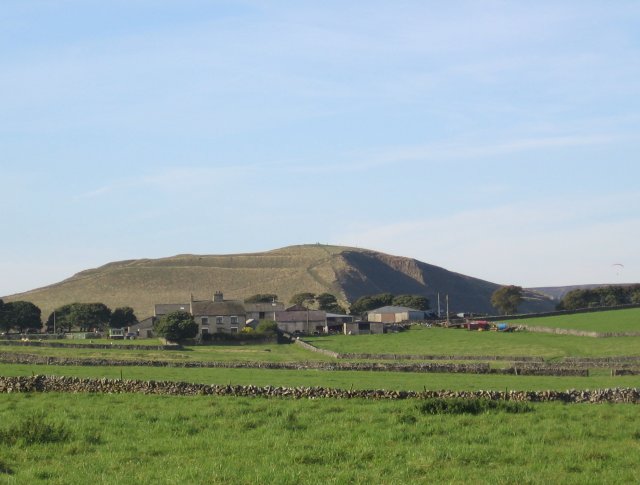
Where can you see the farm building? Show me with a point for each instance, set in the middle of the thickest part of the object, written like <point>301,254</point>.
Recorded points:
<point>219,315</point>
<point>395,314</point>
<point>363,328</point>
<point>335,322</point>
<point>263,311</point>
<point>299,319</point>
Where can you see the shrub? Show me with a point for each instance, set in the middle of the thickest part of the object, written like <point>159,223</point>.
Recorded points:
<point>267,326</point>
<point>176,326</point>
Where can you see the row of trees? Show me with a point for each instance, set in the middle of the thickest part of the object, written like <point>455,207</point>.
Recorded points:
<point>329,303</point>
<point>370,302</point>
<point>90,316</point>
<point>23,315</point>
<point>598,297</point>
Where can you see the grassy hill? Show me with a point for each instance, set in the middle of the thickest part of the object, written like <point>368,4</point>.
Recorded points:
<point>346,272</point>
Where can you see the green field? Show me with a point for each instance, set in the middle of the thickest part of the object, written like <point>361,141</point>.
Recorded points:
<point>340,379</point>
<point>445,341</point>
<point>133,439</point>
<point>225,353</point>
<point>627,320</point>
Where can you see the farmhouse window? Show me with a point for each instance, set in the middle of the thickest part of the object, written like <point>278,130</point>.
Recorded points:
<point>234,320</point>
<point>219,320</point>
<point>205,321</point>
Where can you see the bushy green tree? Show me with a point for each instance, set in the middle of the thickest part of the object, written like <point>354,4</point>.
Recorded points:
<point>267,326</point>
<point>176,326</point>
<point>370,302</point>
<point>87,316</point>
<point>61,317</point>
<point>20,315</point>
<point>416,302</point>
<point>123,317</point>
<point>262,298</point>
<point>303,299</point>
<point>328,303</point>
<point>4,320</point>
<point>506,299</point>
<point>603,296</point>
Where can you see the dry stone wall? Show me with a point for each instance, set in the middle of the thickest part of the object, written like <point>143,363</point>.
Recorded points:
<point>353,356</point>
<point>61,345</point>
<point>41,383</point>
<point>425,367</point>
<point>578,333</point>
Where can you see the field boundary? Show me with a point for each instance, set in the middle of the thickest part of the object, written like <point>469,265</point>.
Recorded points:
<point>337,355</point>
<point>519,316</point>
<point>61,345</point>
<point>43,383</point>
<point>578,333</point>
<point>425,367</point>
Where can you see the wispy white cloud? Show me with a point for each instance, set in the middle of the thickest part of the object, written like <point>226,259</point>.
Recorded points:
<point>456,150</point>
<point>178,179</point>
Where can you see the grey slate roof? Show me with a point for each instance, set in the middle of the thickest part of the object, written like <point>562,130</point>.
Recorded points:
<point>394,309</point>
<point>218,308</point>
<point>164,308</point>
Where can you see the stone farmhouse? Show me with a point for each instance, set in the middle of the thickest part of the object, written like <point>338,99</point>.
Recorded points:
<point>231,316</point>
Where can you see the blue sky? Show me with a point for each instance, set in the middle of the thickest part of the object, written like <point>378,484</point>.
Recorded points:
<point>496,139</point>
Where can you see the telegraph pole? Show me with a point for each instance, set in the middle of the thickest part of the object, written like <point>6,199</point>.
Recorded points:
<point>447,310</point>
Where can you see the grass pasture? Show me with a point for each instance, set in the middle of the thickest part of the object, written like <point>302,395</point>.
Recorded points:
<point>225,353</point>
<point>445,341</point>
<point>627,320</point>
<point>410,381</point>
<point>132,439</point>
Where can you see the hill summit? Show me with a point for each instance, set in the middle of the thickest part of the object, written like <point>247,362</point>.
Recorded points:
<point>346,272</point>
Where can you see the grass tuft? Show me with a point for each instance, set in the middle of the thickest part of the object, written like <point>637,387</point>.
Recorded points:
<point>472,406</point>
<point>34,430</point>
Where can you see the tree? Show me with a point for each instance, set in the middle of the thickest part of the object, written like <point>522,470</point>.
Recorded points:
<point>303,299</point>
<point>506,299</point>
<point>5,322</point>
<point>59,318</point>
<point>176,326</point>
<point>87,316</point>
<point>369,302</point>
<point>20,315</point>
<point>262,298</point>
<point>328,303</point>
<point>416,302</point>
<point>122,317</point>
<point>267,326</point>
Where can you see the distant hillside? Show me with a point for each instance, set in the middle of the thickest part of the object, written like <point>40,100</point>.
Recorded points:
<point>346,272</point>
<point>558,292</point>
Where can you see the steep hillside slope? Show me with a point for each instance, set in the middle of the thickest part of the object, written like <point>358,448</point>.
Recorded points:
<point>346,272</point>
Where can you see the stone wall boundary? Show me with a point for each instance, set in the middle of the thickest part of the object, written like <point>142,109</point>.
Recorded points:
<point>43,383</point>
<point>423,367</point>
<point>578,333</point>
<point>355,356</point>
<point>61,345</point>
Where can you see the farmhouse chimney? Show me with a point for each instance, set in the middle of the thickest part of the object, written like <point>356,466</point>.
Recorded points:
<point>217,296</point>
